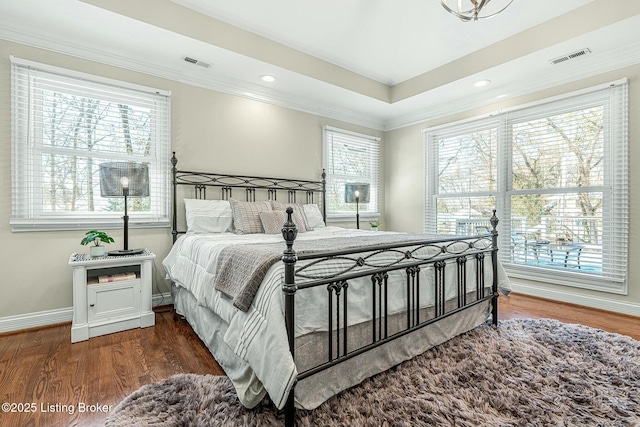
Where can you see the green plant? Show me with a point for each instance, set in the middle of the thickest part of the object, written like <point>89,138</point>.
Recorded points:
<point>375,223</point>
<point>96,237</point>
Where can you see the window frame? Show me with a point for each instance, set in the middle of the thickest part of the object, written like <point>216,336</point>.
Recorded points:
<point>614,189</point>
<point>29,147</point>
<point>372,144</point>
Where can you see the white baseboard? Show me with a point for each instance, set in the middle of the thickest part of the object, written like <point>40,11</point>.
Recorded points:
<point>35,320</point>
<point>61,315</point>
<point>572,298</point>
<point>162,299</point>
<point>51,317</point>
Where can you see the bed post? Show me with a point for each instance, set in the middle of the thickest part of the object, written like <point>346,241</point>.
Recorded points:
<point>289,232</point>
<point>174,223</point>
<point>324,196</point>
<point>494,263</point>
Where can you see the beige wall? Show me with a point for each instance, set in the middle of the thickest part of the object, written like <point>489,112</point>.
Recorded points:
<point>210,131</point>
<point>405,186</point>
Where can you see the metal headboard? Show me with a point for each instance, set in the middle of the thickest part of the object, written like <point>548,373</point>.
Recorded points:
<point>296,190</point>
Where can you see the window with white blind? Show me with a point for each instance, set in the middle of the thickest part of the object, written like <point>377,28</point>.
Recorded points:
<point>556,172</point>
<point>64,125</point>
<point>350,158</point>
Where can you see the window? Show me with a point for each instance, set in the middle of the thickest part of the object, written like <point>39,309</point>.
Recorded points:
<point>64,125</point>
<point>350,158</point>
<point>557,175</point>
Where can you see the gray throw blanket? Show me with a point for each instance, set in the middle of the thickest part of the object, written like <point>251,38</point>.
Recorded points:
<point>241,268</point>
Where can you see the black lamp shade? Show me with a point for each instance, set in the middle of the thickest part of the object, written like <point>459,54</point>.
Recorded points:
<point>350,193</point>
<point>124,179</point>
<point>111,179</point>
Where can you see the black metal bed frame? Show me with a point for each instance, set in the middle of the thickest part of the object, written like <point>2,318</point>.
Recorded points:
<point>375,262</point>
<point>200,181</point>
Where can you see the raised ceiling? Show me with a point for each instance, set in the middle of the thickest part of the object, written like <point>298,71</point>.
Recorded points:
<point>378,63</point>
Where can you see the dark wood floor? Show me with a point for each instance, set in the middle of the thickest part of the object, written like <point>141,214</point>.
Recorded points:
<point>42,367</point>
<point>520,306</point>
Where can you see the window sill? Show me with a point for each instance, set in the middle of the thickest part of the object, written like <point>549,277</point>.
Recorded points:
<point>27,226</point>
<point>570,278</point>
<point>369,216</point>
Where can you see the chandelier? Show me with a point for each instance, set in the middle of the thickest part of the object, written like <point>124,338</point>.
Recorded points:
<point>472,10</point>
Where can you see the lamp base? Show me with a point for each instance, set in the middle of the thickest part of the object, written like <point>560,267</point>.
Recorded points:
<point>121,252</point>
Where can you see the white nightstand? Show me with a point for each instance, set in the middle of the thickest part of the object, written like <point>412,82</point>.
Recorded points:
<point>107,297</point>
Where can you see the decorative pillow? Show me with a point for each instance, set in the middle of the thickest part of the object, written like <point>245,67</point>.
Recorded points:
<point>208,216</point>
<point>314,216</point>
<point>246,216</point>
<point>274,220</point>
<point>297,208</point>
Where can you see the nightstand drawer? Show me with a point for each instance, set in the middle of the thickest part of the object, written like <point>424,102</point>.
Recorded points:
<point>113,300</point>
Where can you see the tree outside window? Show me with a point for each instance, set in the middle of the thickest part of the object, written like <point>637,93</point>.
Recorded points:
<point>557,175</point>
<point>66,124</point>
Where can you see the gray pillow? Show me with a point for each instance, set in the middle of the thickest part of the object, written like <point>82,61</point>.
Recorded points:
<point>274,220</point>
<point>297,208</point>
<point>246,216</point>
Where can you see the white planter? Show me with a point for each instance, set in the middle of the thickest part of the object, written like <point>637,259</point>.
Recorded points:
<point>96,251</point>
<point>374,228</point>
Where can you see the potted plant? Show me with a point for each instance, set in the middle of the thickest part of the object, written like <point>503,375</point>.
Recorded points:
<point>374,225</point>
<point>96,237</point>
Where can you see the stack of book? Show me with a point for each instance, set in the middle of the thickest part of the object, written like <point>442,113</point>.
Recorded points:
<point>116,277</point>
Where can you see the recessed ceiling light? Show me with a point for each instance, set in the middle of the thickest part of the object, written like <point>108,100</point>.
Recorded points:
<point>504,95</point>
<point>267,78</point>
<point>482,83</point>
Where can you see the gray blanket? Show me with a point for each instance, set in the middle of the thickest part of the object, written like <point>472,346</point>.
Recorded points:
<point>241,268</point>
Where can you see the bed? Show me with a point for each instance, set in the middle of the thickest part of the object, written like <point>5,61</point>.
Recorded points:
<point>300,310</point>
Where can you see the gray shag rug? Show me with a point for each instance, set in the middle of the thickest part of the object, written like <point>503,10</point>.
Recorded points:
<point>523,373</point>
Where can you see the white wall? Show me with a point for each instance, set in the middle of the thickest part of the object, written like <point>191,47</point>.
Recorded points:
<point>210,131</point>
<point>405,188</point>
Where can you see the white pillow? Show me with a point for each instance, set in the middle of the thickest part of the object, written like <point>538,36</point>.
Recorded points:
<point>314,216</point>
<point>208,216</point>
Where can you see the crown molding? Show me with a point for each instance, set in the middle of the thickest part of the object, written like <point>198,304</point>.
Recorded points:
<point>16,33</point>
<point>554,76</point>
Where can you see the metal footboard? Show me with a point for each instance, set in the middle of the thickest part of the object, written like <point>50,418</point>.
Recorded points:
<point>409,258</point>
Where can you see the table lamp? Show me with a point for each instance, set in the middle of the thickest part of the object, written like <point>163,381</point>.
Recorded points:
<point>124,179</point>
<point>356,193</point>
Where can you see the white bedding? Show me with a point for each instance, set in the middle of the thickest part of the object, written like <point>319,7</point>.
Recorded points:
<point>258,335</point>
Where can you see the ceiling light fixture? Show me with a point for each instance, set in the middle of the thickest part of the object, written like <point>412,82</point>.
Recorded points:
<point>472,10</point>
<point>267,78</point>
<point>481,83</point>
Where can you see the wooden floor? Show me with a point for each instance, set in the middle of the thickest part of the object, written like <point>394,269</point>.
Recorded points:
<point>43,371</point>
<point>43,367</point>
<point>518,306</point>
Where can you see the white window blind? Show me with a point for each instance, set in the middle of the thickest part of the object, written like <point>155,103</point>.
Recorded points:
<point>64,125</point>
<point>351,158</point>
<point>560,186</point>
<point>460,193</point>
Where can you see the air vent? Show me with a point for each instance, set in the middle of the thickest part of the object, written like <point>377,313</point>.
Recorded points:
<point>196,62</point>
<point>569,56</point>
